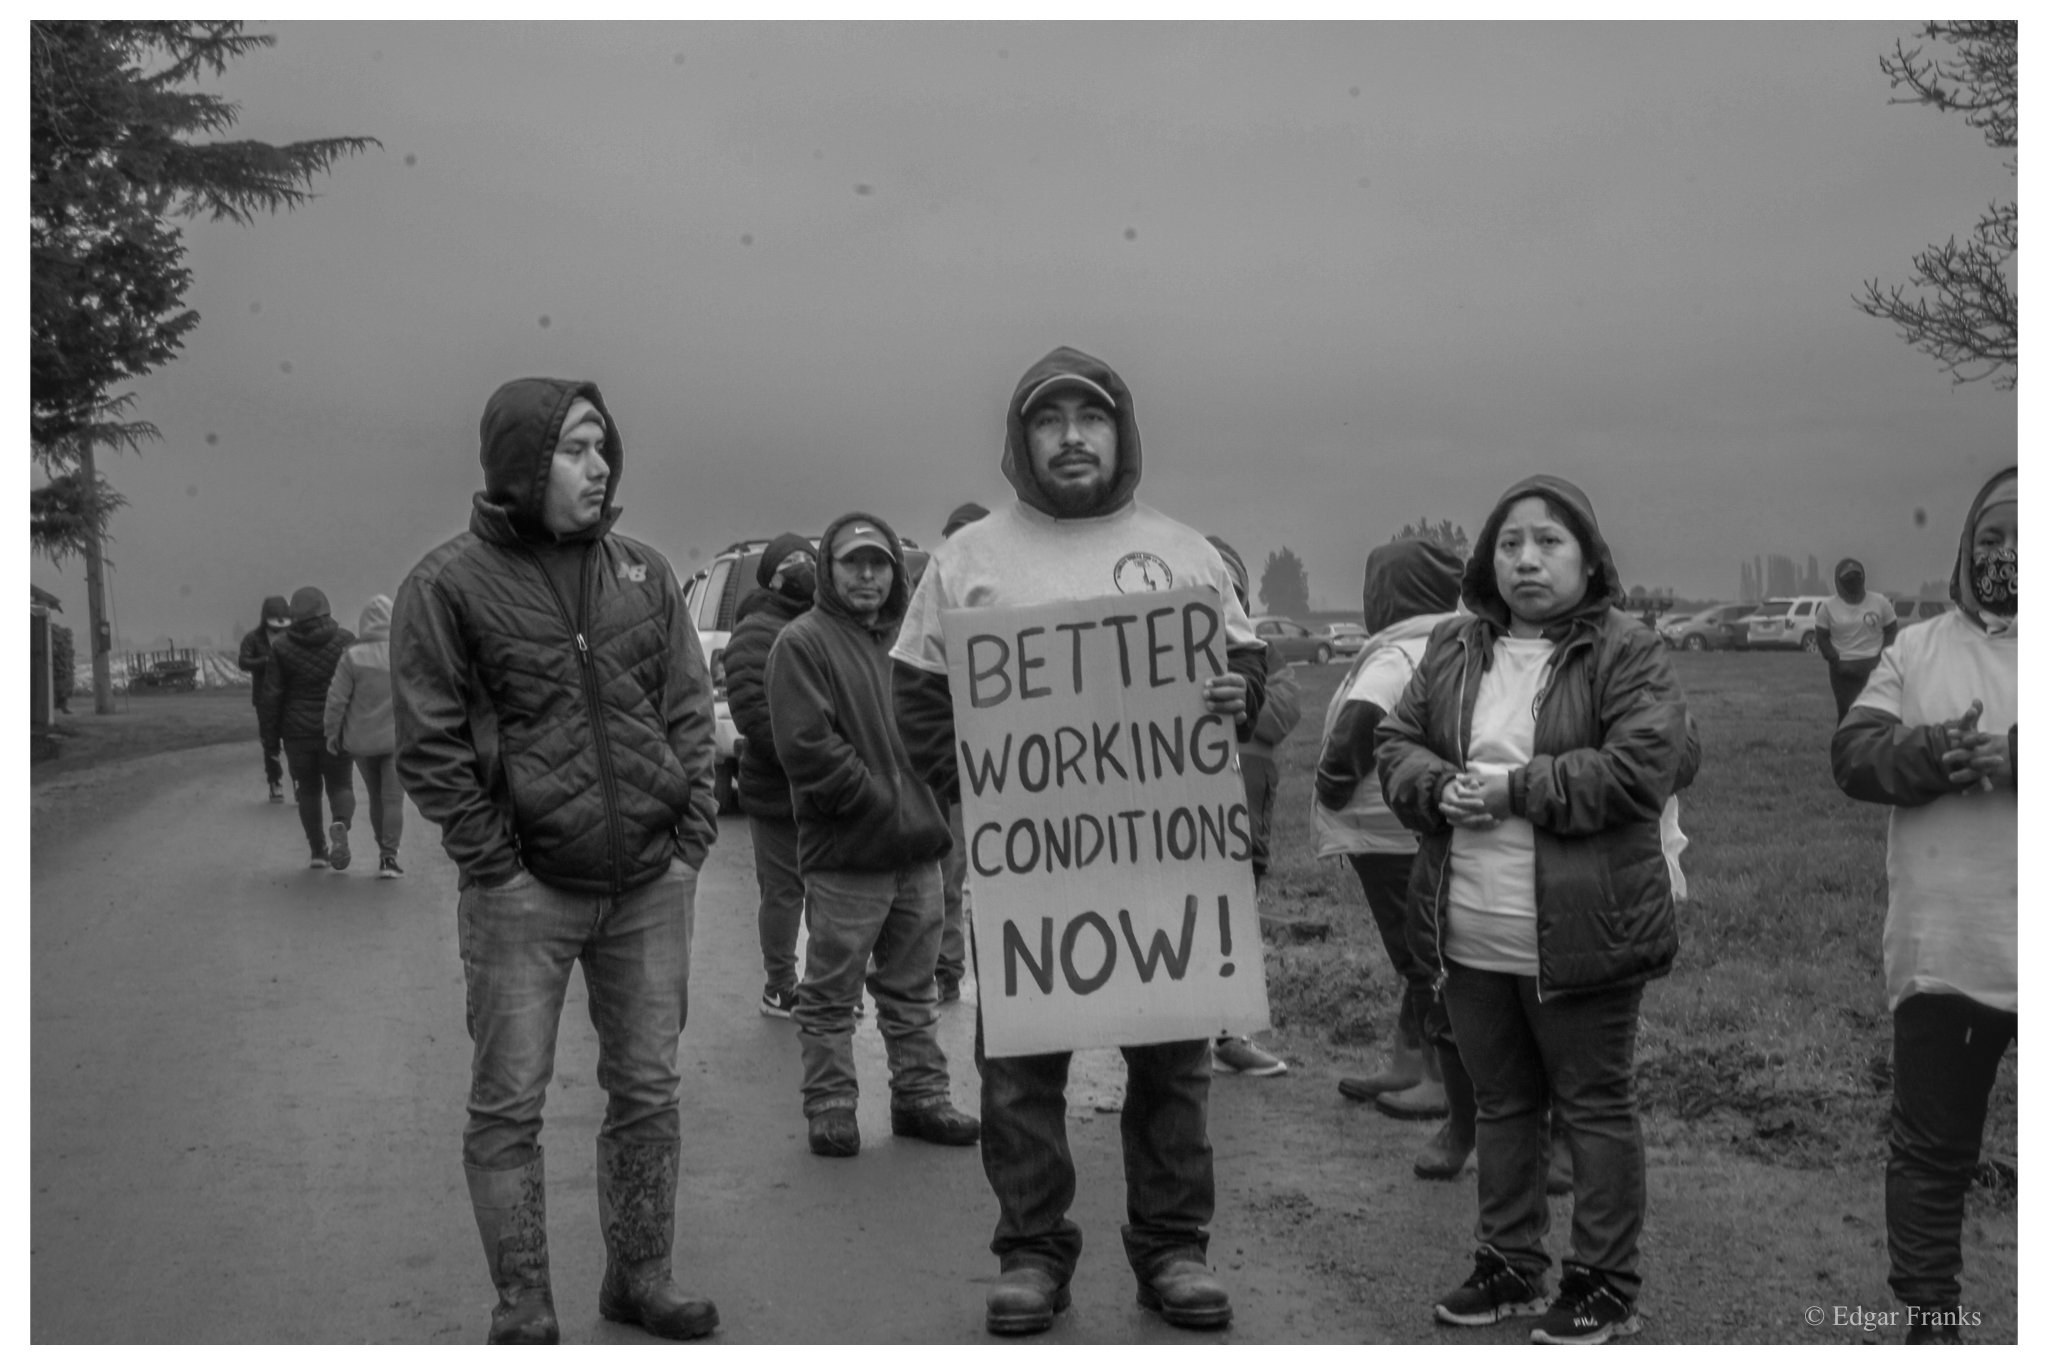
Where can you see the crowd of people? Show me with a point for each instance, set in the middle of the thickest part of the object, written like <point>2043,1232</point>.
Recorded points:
<point>1500,767</point>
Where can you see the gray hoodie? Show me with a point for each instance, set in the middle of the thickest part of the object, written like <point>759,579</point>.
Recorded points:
<point>359,717</point>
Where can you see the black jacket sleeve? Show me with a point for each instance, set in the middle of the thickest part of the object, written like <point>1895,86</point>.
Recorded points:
<point>1249,663</point>
<point>691,727</point>
<point>1412,773</point>
<point>746,679</point>
<point>1348,754</point>
<point>924,717</point>
<point>1876,758</point>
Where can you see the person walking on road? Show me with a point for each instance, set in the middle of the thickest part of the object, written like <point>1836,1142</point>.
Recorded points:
<point>953,960</point>
<point>293,702</point>
<point>869,838</point>
<point>788,579</point>
<point>1935,735</point>
<point>274,621</point>
<point>359,725</point>
<point>554,719</point>
<point>1851,629</point>
<point>1071,452</point>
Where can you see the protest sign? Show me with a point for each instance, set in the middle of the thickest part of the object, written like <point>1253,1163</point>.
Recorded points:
<point>1108,840</point>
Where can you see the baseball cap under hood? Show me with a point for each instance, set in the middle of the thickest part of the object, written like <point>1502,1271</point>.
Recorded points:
<point>1065,360</point>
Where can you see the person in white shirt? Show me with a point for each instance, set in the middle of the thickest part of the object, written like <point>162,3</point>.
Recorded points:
<point>1851,629</point>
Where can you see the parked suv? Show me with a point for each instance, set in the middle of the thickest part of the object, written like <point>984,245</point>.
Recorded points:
<point>714,593</point>
<point>1718,627</point>
<point>1911,609</point>
<point>1784,623</point>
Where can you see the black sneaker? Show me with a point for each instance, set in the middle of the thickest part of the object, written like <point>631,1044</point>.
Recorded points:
<point>1584,1313</point>
<point>778,1001</point>
<point>1493,1291</point>
<point>387,867</point>
<point>337,846</point>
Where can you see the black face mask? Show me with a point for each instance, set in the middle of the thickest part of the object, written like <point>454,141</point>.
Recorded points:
<point>799,583</point>
<point>1850,586</point>
<point>1995,579</point>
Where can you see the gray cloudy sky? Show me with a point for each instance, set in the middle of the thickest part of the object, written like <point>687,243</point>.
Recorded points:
<point>1354,274</point>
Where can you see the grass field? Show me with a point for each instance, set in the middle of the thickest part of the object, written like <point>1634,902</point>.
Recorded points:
<point>144,723</point>
<point>1770,1036</point>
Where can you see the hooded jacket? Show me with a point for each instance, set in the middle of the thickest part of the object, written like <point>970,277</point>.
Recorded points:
<point>763,786</point>
<point>255,651</point>
<point>1612,743</point>
<point>1021,551</point>
<point>566,732</point>
<point>1410,586</point>
<point>293,696</point>
<point>1951,861</point>
<point>358,719</point>
<point>859,805</point>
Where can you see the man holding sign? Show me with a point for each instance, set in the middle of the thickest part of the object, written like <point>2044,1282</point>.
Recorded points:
<point>1009,626</point>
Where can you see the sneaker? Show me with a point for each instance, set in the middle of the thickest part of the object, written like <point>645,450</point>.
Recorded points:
<point>1493,1291</point>
<point>319,858</point>
<point>387,867</point>
<point>1584,1313</point>
<point>277,793</point>
<point>1247,1058</point>
<point>778,1001</point>
<point>337,845</point>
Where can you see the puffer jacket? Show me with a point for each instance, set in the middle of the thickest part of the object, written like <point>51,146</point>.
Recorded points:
<point>860,806</point>
<point>358,718</point>
<point>1612,743</point>
<point>764,787</point>
<point>293,694</point>
<point>254,654</point>
<point>568,733</point>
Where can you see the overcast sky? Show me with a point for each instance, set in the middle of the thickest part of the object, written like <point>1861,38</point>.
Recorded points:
<point>1353,274</point>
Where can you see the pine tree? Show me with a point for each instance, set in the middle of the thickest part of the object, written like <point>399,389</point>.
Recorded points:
<point>1283,585</point>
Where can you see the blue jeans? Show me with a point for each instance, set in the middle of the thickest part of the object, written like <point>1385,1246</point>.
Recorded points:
<point>386,799</point>
<point>519,942</point>
<point>1576,1055</point>
<point>1169,1171</point>
<point>895,919</point>
<point>953,942</point>
<point>782,897</point>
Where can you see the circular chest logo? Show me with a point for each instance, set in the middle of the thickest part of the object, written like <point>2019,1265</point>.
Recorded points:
<point>1139,571</point>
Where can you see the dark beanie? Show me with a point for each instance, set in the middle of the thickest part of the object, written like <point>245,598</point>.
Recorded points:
<point>781,548</point>
<point>960,516</point>
<point>308,604</point>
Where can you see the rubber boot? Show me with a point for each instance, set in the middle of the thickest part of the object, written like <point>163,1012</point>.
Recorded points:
<point>512,1218</point>
<point>1447,1152</point>
<point>1403,1069</point>
<point>1558,1180</point>
<point>636,1209</point>
<point>1423,1100</point>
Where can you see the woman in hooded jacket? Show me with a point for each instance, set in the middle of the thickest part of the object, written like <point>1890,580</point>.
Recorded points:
<point>1533,752</point>
<point>359,723</point>
<point>1935,735</point>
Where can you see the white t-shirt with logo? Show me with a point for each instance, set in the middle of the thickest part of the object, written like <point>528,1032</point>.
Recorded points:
<point>1018,556</point>
<point>1857,629</point>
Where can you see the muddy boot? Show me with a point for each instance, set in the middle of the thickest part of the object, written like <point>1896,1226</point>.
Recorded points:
<point>1559,1178</point>
<point>1446,1153</point>
<point>512,1218</point>
<point>1423,1100</point>
<point>636,1210</point>
<point>1403,1069</point>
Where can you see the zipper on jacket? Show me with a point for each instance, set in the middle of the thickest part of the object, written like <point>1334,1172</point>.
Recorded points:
<point>608,780</point>
<point>1443,878</point>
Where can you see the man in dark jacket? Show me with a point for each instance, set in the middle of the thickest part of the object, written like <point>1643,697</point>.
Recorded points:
<point>291,703</point>
<point>1076,530</point>
<point>554,719</point>
<point>788,577</point>
<point>869,839</point>
<point>275,620</point>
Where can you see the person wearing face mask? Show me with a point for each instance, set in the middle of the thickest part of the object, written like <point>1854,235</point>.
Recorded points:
<point>1935,735</point>
<point>1851,629</point>
<point>253,658</point>
<point>1533,752</point>
<point>789,578</point>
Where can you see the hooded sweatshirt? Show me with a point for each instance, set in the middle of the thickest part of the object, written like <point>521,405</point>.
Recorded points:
<point>1410,586</point>
<point>255,651</point>
<point>859,805</point>
<point>1853,632</point>
<point>359,699</point>
<point>302,663</point>
<point>552,702</point>
<point>1951,856</point>
<point>763,786</point>
<point>1027,552</point>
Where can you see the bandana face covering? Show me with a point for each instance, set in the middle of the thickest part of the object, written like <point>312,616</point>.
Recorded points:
<point>1995,578</point>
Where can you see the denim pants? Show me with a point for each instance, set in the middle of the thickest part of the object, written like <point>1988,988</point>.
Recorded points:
<point>1847,679</point>
<point>782,898</point>
<point>386,798</point>
<point>519,942</point>
<point>895,919</point>
<point>1169,1171</point>
<point>1945,1055</point>
<point>1574,1054</point>
<point>953,942</point>
<point>314,770</point>
<point>1384,879</point>
<point>1261,785</point>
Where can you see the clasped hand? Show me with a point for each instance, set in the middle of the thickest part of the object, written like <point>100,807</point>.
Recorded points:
<point>1975,758</point>
<point>1475,799</point>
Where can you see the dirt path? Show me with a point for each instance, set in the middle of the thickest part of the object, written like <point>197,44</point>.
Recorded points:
<point>247,1094</point>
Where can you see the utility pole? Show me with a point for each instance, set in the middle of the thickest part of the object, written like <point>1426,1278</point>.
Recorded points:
<point>96,588</point>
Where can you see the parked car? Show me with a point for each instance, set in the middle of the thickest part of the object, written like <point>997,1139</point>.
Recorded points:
<point>714,593</point>
<point>1347,637</point>
<point>1293,641</point>
<point>1723,626</point>
<point>1784,623</point>
<point>1911,609</point>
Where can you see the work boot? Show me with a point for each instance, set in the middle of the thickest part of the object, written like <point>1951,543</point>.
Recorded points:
<point>938,1123</point>
<point>636,1209</point>
<point>1403,1069</point>
<point>1023,1301</point>
<point>1446,1153</point>
<point>512,1218</point>
<point>1187,1294</point>
<point>1423,1100</point>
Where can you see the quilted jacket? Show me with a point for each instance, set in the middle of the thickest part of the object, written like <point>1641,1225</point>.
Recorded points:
<point>292,695</point>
